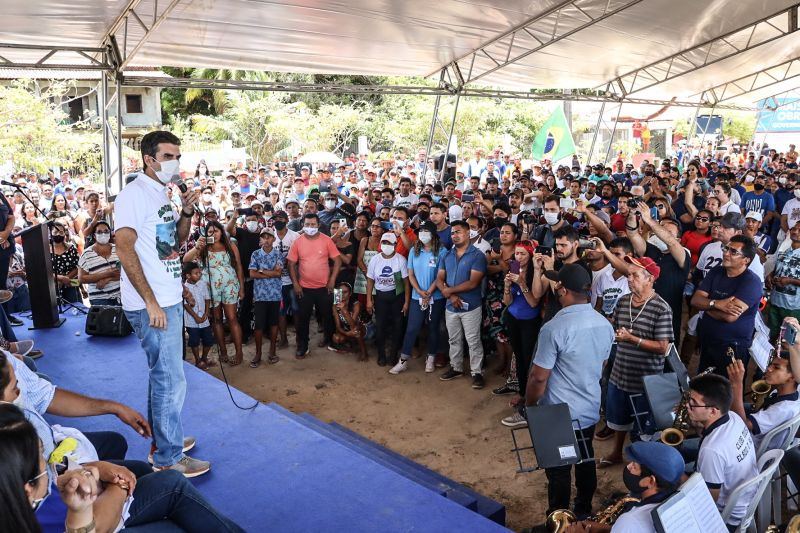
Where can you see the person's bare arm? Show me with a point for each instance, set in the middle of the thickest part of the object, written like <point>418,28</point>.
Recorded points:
<point>362,247</point>
<point>785,223</point>
<point>337,265</point>
<point>603,232</point>
<point>126,242</point>
<point>86,277</point>
<point>72,404</point>
<point>537,383</point>
<point>639,244</point>
<point>688,201</point>
<point>188,199</point>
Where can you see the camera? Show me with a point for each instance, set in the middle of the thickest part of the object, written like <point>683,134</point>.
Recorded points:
<point>633,203</point>
<point>526,217</point>
<point>587,244</point>
<point>496,245</point>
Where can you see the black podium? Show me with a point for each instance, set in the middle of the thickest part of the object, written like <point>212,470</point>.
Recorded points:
<point>41,281</point>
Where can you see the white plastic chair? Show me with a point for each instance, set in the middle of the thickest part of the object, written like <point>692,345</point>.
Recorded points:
<point>773,440</point>
<point>767,465</point>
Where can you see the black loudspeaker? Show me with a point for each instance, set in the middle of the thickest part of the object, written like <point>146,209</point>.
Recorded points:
<point>450,171</point>
<point>107,321</point>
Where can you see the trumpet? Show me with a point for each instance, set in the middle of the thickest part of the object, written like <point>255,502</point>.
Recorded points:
<point>759,390</point>
<point>675,435</point>
<point>559,520</point>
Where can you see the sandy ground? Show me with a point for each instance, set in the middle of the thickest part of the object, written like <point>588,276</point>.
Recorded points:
<point>447,426</point>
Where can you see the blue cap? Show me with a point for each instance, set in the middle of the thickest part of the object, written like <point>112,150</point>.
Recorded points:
<point>664,461</point>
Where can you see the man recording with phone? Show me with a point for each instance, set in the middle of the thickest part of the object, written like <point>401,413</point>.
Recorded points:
<point>148,239</point>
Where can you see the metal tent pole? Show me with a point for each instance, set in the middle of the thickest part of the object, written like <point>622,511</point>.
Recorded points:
<point>120,176</point>
<point>430,134</point>
<point>450,137</point>
<point>596,131</point>
<point>613,131</point>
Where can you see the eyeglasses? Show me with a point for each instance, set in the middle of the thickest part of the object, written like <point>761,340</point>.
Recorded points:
<point>702,219</point>
<point>733,251</point>
<point>694,405</point>
<point>660,206</point>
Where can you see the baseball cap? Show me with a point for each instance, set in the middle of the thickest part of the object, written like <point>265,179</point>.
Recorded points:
<point>280,214</point>
<point>305,167</point>
<point>268,231</point>
<point>732,221</point>
<point>571,276</point>
<point>664,461</point>
<point>389,236</point>
<point>755,215</point>
<point>456,213</point>
<point>645,263</point>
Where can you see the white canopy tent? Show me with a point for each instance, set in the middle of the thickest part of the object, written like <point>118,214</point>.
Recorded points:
<point>720,53</point>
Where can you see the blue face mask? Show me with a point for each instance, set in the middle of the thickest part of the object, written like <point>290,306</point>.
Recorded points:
<point>436,197</point>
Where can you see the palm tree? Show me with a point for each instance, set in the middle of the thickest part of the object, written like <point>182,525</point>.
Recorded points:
<point>218,99</point>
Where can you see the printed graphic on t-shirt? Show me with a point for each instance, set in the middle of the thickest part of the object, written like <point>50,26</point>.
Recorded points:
<point>788,266</point>
<point>610,297</point>
<point>166,242</point>
<point>385,280</point>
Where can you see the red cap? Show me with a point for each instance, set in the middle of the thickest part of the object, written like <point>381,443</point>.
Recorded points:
<point>645,263</point>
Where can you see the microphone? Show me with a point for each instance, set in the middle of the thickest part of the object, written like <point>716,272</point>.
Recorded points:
<point>9,183</point>
<point>176,179</point>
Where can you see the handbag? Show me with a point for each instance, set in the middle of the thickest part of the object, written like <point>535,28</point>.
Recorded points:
<point>107,321</point>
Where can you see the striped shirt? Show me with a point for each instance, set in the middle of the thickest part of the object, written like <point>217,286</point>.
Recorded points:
<point>654,322</point>
<point>91,262</point>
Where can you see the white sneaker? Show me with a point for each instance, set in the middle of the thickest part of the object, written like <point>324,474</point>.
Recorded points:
<point>514,421</point>
<point>429,366</point>
<point>401,366</point>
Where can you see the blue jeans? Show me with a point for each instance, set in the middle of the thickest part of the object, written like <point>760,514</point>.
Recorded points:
<point>166,501</point>
<point>167,387</point>
<point>416,318</point>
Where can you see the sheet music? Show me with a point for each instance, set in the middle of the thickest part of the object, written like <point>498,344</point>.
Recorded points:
<point>691,510</point>
<point>761,349</point>
<point>761,326</point>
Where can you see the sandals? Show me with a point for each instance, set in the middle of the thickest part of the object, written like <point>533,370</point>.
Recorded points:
<point>272,359</point>
<point>255,364</point>
<point>607,463</point>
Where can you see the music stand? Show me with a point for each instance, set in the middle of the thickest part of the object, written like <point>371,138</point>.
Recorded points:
<point>555,443</point>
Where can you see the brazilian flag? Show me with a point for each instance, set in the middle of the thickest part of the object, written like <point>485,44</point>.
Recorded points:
<point>554,140</point>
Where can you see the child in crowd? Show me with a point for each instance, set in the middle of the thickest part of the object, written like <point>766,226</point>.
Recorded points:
<point>347,319</point>
<point>195,314</point>
<point>266,268</point>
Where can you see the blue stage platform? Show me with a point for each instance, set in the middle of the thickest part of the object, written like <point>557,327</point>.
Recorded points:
<point>272,470</point>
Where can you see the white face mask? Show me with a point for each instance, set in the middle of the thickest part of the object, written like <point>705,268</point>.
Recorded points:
<point>399,222</point>
<point>207,197</point>
<point>102,238</point>
<point>782,180</point>
<point>330,204</point>
<point>262,198</point>
<point>252,225</point>
<point>473,234</point>
<point>658,243</point>
<point>797,193</point>
<point>551,218</point>
<point>387,249</point>
<point>750,179</point>
<point>310,231</point>
<point>168,169</point>
<point>425,237</point>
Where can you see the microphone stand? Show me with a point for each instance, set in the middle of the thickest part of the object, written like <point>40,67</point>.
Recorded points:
<point>62,302</point>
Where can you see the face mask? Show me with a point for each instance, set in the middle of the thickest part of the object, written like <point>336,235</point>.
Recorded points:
<point>797,193</point>
<point>58,238</point>
<point>168,169</point>
<point>310,231</point>
<point>552,218</point>
<point>499,221</point>
<point>252,225</point>
<point>330,204</point>
<point>782,180</point>
<point>436,197</point>
<point>632,482</point>
<point>386,202</point>
<point>387,249</point>
<point>583,189</point>
<point>658,243</point>
<point>749,179</point>
<point>425,237</point>
<point>473,234</point>
<point>649,173</point>
<point>399,222</point>
<point>758,187</point>
<point>279,224</point>
<point>423,215</point>
<point>207,197</point>
<point>262,198</point>
<point>102,238</point>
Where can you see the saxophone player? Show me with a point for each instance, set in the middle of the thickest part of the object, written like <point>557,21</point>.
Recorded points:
<point>780,406</point>
<point>653,475</point>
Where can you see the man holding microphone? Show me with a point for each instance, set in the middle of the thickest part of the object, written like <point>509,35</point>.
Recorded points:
<point>148,238</point>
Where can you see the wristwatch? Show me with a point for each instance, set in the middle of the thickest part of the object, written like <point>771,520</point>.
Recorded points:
<point>184,215</point>
<point>711,304</point>
<point>85,529</point>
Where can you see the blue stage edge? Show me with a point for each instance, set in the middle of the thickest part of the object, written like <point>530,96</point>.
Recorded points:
<point>272,470</point>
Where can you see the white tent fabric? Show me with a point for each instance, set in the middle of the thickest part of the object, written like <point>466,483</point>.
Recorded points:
<point>415,37</point>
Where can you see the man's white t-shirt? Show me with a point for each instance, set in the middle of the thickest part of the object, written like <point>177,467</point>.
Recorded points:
<point>792,211</point>
<point>143,206</point>
<point>711,256</point>
<point>727,458</point>
<point>730,207</point>
<point>609,290</point>
<point>283,246</point>
<point>406,201</point>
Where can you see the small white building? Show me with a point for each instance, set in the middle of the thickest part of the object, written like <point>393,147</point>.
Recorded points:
<point>141,106</point>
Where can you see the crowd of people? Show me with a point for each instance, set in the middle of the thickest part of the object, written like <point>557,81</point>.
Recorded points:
<point>571,281</point>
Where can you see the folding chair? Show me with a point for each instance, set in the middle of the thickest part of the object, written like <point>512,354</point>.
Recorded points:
<point>781,437</point>
<point>767,465</point>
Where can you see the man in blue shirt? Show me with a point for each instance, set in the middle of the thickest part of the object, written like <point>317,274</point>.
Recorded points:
<point>759,201</point>
<point>567,368</point>
<point>459,280</point>
<point>266,268</point>
<point>729,295</point>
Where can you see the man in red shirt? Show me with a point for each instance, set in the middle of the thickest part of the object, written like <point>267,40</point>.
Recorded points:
<point>313,279</point>
<point>405,233</point>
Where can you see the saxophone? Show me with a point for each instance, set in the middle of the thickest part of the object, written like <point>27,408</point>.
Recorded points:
<point>759,391</point>
<point>559,520</point>
<point>675,435</point>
